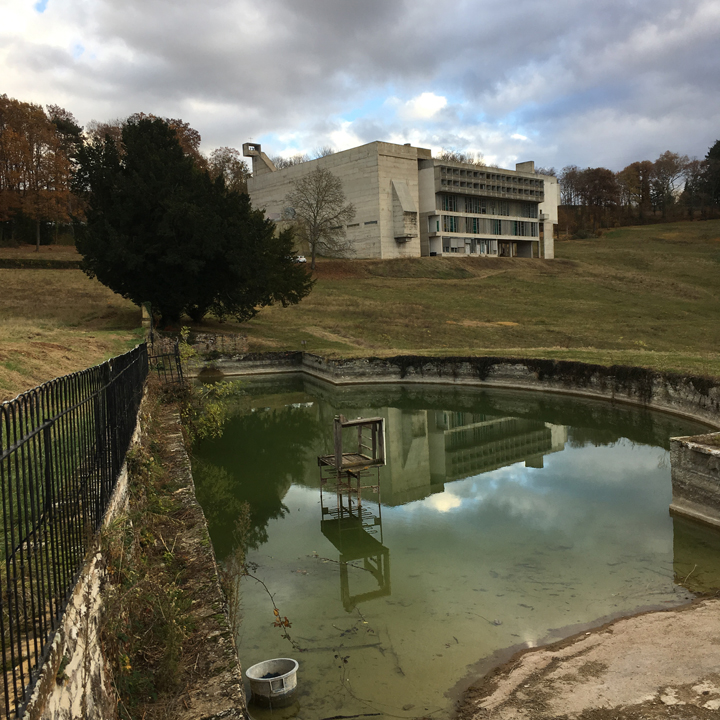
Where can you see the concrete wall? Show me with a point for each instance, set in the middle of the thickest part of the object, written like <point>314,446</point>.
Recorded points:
<point>696,478</point>
<point>548,212</point>
<point>358,171</point>
<point>399,163</point>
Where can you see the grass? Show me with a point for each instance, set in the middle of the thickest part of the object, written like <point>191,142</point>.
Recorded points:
<point>646,296</point>
<point>54,322</point>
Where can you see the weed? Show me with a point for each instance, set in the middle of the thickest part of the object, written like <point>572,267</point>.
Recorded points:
<point>147,617</point>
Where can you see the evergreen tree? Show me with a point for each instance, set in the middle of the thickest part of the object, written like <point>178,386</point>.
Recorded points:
<point>160,230</point>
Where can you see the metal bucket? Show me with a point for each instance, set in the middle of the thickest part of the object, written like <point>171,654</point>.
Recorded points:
<point>273,683</point>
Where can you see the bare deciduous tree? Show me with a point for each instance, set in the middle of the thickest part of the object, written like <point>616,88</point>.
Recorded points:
<point>320,213</point>
<point>460,156</point>
<point>284,162</point>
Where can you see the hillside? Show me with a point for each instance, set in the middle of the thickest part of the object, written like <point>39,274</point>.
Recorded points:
<point>646,296</point>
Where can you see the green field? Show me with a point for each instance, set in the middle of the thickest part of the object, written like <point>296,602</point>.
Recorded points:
<point>647,296</point>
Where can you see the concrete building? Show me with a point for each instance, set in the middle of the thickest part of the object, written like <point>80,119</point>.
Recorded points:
<point>409,204</point>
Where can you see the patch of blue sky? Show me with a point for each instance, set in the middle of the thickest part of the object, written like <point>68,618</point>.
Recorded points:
<point>41,5</point>
<point>369,107</point>
<point>78,50</point>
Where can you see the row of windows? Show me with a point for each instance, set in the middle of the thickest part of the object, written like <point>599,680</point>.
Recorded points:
<point>473,246</point>
<point>491,176</point>
<point>486,226</point>
<point>354,225</point>
<point>492,188</point>
<point>483,206</point>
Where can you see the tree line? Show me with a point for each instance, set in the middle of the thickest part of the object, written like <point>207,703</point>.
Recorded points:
<point>154,219</point>
<point>673,187</point>
<point>40,200</point>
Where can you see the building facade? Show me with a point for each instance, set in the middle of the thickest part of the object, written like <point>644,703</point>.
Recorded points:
<point>410,204</point>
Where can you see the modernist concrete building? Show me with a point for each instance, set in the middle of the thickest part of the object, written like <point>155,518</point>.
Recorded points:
<point>409,204</point>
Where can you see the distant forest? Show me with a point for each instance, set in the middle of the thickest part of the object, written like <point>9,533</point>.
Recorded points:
<point>673,187</point>
<point>41,203</point>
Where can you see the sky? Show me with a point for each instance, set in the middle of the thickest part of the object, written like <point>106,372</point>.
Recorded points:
<point>584,82</point>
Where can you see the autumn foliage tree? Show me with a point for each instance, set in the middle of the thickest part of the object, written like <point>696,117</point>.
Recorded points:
<point>35,168</point>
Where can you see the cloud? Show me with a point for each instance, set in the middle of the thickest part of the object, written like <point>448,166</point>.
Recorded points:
<point>423,106</point>
<point>590,84</point>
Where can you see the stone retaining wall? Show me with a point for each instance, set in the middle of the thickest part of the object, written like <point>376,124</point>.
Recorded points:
<point>74,683</point>
<point>695,463</point>
<point>695,397</point>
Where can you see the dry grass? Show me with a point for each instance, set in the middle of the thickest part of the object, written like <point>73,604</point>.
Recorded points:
<point>27,252</point>
<point>53,322</point>
<point>647,296</point>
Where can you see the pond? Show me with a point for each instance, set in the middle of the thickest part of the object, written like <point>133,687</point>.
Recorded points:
<point>503,520</point>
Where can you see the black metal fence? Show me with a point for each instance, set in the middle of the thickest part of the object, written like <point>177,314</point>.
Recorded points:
<point>165,359</point>
<point>62,446</point>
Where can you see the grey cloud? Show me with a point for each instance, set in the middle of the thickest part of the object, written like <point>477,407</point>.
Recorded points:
<point>600,83</point>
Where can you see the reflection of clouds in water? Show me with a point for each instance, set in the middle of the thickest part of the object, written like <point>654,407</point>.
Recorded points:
<point>443,502</point>
<point>592,494</point>
<point>619,463</point>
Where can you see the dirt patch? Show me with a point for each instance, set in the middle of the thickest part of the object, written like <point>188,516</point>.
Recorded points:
<point>339,269</point>
<point>334,337</point>
<point>480,323</point>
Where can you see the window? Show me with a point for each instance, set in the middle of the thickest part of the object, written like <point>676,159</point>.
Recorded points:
<point>473,225</point>
<point>371,222</point>
<point>496,227</point>
<point>472,205</point>
<point>450,223</point>
<point>449,203</point>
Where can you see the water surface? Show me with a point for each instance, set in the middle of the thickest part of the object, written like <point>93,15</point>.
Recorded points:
<point>503,519</point>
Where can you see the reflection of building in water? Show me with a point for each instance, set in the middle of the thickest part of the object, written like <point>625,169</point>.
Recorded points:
<point>352,524</point>
<point>427,448</point>
<point>464,444</point>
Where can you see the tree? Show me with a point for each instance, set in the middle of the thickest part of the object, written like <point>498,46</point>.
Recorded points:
<point>159,229</point>
<point>227,162</point>
<point>34,167</point>
<point>320,213</point>
<point>281,162</point>
<point>462,157</point>
<point>712,174</point>
<point>568,180</point>
<point>635,185</point>
<point>692,194</point>
<point>668,169</point>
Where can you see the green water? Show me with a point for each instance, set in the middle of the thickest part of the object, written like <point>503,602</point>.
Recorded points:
<point>505,520</point>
